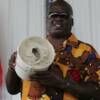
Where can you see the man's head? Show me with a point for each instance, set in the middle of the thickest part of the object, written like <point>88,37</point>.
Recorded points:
<point>60,19</point>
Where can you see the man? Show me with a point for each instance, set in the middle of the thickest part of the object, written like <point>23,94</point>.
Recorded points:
<point>75,72</point>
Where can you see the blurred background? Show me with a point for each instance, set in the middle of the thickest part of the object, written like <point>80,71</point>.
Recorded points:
<point>22,18</point>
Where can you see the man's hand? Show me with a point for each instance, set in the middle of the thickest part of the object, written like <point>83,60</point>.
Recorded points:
<point>12,61</point>
<point>35,91</point>
<point>52,77</point>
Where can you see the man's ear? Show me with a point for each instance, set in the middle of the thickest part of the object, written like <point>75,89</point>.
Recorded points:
<point>72,22</point>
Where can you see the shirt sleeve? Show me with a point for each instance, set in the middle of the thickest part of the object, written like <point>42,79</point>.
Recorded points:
<point>93,66</point>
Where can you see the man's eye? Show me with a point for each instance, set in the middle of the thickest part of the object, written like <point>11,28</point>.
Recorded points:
<point>60,16</point>
<point>54,16</point>
<point>64,16</point>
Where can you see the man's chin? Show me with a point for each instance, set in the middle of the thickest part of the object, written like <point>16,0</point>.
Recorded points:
<point>58,31</point>
<point>58,35</point>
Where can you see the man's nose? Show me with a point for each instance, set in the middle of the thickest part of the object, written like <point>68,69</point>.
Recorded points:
<point>58,18</point>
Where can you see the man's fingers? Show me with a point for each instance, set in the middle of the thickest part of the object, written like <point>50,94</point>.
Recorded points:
<point>38,77</point>
<point>12,60</point>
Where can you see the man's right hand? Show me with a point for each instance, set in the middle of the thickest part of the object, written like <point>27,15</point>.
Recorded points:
<point>12,60</point>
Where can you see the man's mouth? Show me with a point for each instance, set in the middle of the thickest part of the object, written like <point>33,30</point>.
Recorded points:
<point>58,25</point>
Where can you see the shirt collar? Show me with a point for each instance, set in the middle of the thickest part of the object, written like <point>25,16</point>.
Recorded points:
<point>72,40</point>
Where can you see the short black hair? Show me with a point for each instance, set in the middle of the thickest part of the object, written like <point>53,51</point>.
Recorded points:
<point>66,6</point>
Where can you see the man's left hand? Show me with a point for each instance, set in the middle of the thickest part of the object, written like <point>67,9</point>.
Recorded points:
<point>52,77</point>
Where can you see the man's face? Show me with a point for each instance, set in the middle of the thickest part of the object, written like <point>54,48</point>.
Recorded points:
<point>59,22</point>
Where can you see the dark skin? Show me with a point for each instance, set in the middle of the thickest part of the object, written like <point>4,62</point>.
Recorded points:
<point>59,28</point>
<point>13,82</point>
<point>58,25</point>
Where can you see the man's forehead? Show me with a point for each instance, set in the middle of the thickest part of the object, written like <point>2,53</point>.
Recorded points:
<point>60,9</point>
<point>57,8</point>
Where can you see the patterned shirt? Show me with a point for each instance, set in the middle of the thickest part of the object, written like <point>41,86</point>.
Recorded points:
<point>77,60</point>
<point>81,60</point>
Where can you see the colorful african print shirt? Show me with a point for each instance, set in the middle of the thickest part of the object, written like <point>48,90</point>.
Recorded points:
<point>79,61</point>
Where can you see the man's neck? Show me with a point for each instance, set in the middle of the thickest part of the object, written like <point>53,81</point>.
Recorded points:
<point>57,42</point>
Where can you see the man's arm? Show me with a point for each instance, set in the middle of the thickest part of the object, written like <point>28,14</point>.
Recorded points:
<point>13,82</point>
<point>53,78</point>
<point>91,86</point>
<point>82,89</point>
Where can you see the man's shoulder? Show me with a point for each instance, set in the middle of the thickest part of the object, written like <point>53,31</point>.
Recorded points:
<point>86,44</point>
